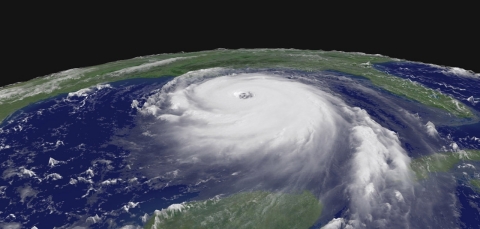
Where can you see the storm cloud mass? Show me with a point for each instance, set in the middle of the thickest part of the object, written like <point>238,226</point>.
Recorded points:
<point>269,130</point>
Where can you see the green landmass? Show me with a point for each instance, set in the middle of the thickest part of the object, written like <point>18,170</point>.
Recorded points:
<point>19,95</point>
<point>441,162</point>
<point>475,183</point>
<point>250,210</point>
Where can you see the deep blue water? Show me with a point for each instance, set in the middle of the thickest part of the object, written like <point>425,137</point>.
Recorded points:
<point>470,210</point>
<point>76,130</point>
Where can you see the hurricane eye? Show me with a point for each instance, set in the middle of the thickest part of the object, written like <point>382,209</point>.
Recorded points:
<point>243,95</point>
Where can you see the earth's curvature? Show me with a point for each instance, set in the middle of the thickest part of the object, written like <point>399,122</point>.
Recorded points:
<point>243,139</point>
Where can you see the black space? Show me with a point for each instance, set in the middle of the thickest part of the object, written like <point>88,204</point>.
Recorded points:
<point>51,41</point>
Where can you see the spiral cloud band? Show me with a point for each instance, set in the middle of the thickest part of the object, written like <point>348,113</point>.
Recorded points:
<point>276,132</point>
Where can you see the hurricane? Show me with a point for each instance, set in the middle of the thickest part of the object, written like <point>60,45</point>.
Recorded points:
<point>279,133</point>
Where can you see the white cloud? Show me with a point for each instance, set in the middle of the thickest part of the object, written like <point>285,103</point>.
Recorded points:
<point>111,181</point>
<point>131,227</point>
<point>379,160</point>
<point>2,147</point>
<point>53,176</point>
<point>84,180</point>
<point>147,66</point>
<point>145,218</point>
<point>28,172</point>
<point>26,192</point>
<point>85,92</point>
<point>398,195</point>
<point>298,125</point>
<point>461,72</point>
<point>473,100</point>
<point>52,162</point>
<point>90,173</point>
<point>130,205</point>
<point>336,223</point>
<point>46,85</point>
<point>93,219</point>
<point>73,181</point>
<point>80,93</point>
<point>10,225</point>
<point>167,213</point>
<point>431,130</point>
